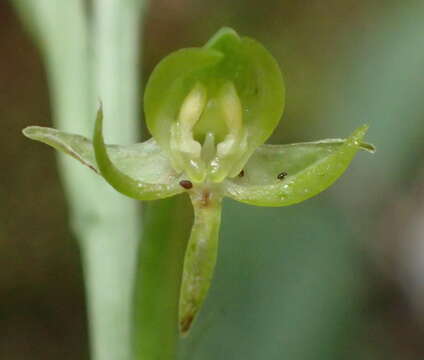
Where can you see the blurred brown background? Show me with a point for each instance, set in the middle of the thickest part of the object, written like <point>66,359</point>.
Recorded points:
<point>345,63</point>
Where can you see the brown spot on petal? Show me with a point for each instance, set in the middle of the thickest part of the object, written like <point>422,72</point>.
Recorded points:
<point>186,184</point>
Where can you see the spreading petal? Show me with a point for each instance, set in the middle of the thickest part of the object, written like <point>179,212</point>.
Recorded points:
<point>280,175</point>
<point>145,162</point>
<point>122,182</point>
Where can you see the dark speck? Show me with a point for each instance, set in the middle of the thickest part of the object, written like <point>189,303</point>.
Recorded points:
<point>186,184</point>
<point>281,175</point>
<point>241,173</point>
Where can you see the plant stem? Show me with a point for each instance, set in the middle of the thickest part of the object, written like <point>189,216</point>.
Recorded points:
<point>166,230</point>
<point>116,62</point>
<point>106,224</point>
<point>110,257</point>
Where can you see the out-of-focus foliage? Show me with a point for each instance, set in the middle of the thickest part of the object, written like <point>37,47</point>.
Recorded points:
<point>335,277</point>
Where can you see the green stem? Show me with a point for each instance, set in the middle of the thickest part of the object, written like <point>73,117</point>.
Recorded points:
<point>166,230</point>
<point>106,223</point>
<point>117,30</point>
<point>110,257</point>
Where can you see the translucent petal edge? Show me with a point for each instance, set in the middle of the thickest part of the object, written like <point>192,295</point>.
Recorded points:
<point>305,184</point>
<point>145,161</point>
<point>363,145</point>
<point>165,90</point>
<point>121,182</point>
<point>53,138</point>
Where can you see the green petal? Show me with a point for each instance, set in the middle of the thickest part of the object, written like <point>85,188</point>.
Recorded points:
<point>169,83</point>
<point>259,83</point>
<point>280,175</point>
<point>200,257</point>
<point>233,72</point>
<point>125,184</point>
<point>73,145</point>
<point>145,162</point>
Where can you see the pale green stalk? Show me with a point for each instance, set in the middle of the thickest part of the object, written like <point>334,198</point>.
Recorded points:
<point>106,224</point>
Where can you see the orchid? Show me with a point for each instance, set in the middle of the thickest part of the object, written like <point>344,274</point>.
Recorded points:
<point>210,111</point>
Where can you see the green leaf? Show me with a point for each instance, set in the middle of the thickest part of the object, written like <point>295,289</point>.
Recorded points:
<point>281,175</point>
<point>145,162</point>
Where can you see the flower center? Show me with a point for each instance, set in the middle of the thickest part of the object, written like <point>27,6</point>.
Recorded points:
<point>205,118</point>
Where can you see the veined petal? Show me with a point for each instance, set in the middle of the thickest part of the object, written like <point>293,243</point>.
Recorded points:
<point>281,175</point>
<point>168,86</point>
<point>259,84</point>
<point>145,162</point>
<point>122,182</point>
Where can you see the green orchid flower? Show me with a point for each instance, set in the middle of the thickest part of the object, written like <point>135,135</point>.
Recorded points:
<point>210,110</point>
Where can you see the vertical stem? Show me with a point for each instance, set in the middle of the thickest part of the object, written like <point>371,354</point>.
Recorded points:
<point>166,230</point>
<point>110,256</point>
<point>106,224</point>
<point>116,46</point>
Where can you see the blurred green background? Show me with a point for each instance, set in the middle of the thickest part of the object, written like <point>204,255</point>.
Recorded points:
<point>340,276</point>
